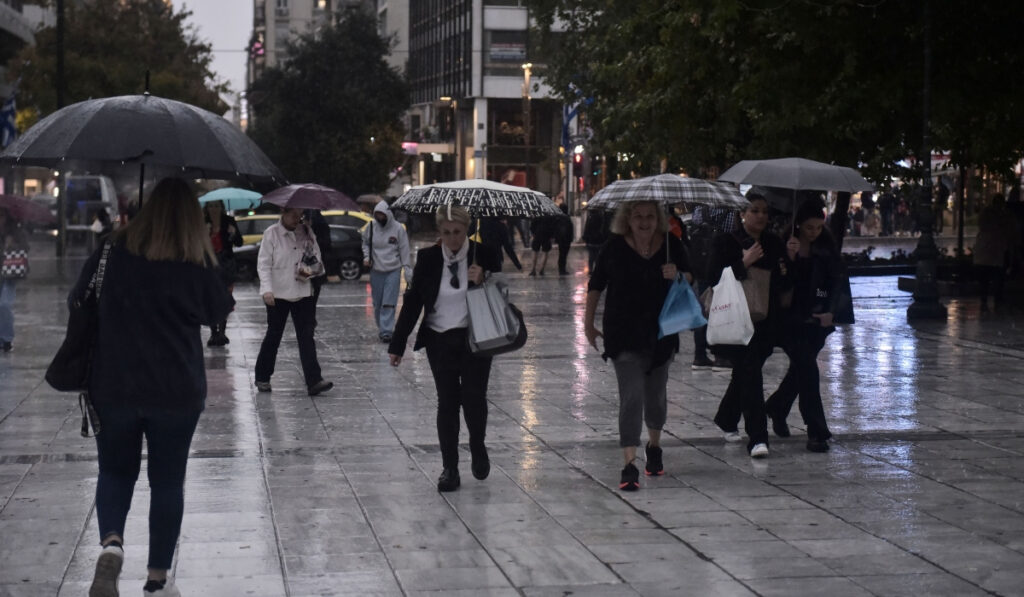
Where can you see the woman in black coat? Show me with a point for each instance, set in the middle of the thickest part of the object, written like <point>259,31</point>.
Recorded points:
<point>442,274</point>
<point>821,297</point>
<point>224,236</point>
<point>752,246</point>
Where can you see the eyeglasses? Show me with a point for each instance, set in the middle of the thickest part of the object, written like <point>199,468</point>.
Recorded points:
<point>454,269</point>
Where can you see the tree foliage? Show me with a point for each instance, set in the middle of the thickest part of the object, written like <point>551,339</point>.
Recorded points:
<point>109,46</point>
<point>331,114</point>
<point>705,83</point>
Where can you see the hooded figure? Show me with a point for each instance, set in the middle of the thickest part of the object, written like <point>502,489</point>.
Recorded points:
<point>386,252</point>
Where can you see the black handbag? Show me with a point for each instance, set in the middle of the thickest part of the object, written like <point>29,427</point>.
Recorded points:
<point>70,368</point>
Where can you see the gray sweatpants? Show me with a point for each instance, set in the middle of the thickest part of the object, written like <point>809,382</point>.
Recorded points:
<point>641,395</point>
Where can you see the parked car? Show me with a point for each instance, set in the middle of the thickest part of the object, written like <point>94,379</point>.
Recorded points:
<point>345,258</point>
<point>252,227</point>
<point>341,217</point>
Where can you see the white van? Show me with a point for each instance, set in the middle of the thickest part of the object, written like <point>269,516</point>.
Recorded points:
<point>86,195</point>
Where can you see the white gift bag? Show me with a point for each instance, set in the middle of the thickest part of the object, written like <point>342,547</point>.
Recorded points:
<point>729,318</point>
<point>495,325</point>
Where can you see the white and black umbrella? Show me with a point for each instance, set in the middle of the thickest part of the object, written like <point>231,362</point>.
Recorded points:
<point>481,198</point>
<point>106,134</point>
<point>669,189</point>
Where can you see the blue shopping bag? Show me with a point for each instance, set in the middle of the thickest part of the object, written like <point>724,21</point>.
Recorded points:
<point>681,310</point>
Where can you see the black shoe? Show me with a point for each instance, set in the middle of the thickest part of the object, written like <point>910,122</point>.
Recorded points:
<point>654,464</point>
<point>320,387</point>
<point>533,273</point>
<point>449,480</point>
<point>224,340</point>
<point>563,273</point>
<point>721,364</point>
<point>779,426</point>
<point>8,347</point>
<point>212,341</point>
<point>702,362</point>
<point>481,466</point>
<point>817,445</point>
<point>630,480</point>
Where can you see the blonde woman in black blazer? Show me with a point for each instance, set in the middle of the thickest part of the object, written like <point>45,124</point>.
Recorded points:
<point>442,274</point>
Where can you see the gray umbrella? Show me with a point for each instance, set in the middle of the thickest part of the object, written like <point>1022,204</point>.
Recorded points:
<point>797,174</point>
<point>143,129</point>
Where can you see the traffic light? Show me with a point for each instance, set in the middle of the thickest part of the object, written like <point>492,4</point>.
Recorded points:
<point>577,159</point>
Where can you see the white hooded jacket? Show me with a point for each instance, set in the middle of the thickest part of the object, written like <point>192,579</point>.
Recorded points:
<point>390,249</point>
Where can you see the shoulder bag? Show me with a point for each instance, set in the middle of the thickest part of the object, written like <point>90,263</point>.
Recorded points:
<point>14,265</point>
<point>496,326</point>
<point>70,368</point>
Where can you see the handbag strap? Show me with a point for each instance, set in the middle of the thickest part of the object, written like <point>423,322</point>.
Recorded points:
<point>96,282</point>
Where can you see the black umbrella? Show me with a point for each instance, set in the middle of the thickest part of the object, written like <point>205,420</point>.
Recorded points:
<point>144,129</point>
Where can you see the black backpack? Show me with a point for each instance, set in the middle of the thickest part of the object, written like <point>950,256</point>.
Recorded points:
<point>702,238</point>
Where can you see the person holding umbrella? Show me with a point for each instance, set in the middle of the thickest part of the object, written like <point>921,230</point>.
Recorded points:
<point>224,236</point>
<point>386,253</point>
<point>820,298</point>
<point>12,238</point>
<point>442,275</point>
<point>159,286</point>
<point>637,267</point>
<point>289,257</point>
<point>752,246</point>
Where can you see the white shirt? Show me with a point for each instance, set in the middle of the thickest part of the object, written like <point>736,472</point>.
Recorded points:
<point>450,310</point>
<point>280,252</point>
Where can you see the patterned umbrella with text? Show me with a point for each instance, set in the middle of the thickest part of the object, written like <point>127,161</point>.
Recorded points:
<point>482,198</point>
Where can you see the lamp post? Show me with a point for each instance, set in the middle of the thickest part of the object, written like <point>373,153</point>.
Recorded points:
<point>453,106</point>
<point>526,122</point>
<point>926,303</point>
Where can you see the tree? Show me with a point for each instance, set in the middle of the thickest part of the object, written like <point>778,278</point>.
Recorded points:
<point>331,114</point>
<point>110,45</point>
<point>703,84</point>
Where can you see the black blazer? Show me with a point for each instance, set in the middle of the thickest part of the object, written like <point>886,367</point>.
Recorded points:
<point>420,296</point>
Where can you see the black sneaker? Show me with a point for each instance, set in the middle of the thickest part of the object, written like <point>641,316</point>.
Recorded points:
<point>449,480</point>
<point>481,466</point>
<point>654,464</point>
<point>721,364</point>
<point>630,480</point>
<point>702,362</point>
<point>779,426</point>
<point>817,445</point>
<point>320,387</point>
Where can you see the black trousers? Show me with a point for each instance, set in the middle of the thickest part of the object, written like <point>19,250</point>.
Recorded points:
<point>802,346</point>
<point>303,312</point>
<point>563,256</point>
<point>461,380</point>
<point>745,394</point>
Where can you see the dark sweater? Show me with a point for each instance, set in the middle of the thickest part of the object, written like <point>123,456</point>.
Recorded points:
<point>149,353</point>
<point>728,252</point>
<point>636,291</point>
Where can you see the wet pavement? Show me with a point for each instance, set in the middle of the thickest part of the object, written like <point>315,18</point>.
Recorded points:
<point>922,493</point>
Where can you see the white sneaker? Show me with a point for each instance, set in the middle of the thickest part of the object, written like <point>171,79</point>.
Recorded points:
<point>108,569</point>
<point>759,451</point>
<point>733,436</point>
<point>168,590</point>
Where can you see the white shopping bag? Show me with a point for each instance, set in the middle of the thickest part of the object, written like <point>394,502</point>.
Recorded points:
<point>729,318</point>
<point>495,325</point>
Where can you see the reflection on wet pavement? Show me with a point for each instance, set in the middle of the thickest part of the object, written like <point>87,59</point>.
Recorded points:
<point>288,495</point>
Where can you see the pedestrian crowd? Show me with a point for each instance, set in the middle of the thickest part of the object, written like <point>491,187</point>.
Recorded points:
<point>170,271</point>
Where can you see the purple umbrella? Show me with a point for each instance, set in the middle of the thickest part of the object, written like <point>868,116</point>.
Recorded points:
<point>310,196</point>
<point>26,210</point>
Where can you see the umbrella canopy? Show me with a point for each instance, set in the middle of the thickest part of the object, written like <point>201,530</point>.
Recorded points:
<point>482,198</point>
<point>669,189</point>
<point>26,210</point>
<point>144,129</point>
<point>310,196</point>
<point>369,199</point>
<point>797,174</point>
<point>233,198</point>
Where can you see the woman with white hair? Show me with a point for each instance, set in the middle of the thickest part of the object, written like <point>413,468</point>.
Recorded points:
<point>442,275</point>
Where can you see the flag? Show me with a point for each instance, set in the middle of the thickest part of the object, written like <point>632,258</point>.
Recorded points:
<point>8,125</point>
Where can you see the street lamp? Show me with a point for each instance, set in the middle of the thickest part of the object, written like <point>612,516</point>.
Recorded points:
<point>526,121</point>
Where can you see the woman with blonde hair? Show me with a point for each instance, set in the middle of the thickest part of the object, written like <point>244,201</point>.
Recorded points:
<point>442,275</point>
<point>637,268</point>
<point>159,286</point>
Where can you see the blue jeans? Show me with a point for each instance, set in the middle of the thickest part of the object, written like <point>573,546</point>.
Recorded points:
<point>119,445</point>
<point>384,288</point>
<point>7,310</point>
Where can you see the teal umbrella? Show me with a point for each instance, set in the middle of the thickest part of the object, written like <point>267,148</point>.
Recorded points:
<point>234,199</point>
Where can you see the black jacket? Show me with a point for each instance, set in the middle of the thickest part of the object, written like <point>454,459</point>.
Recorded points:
<point>149,353</point>
<point>420,296</point>
<point>821,284</point>
<point>728,252</point>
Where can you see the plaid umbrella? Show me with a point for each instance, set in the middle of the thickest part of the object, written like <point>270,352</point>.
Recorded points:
<point>669,189</point>
<point>482,198</point>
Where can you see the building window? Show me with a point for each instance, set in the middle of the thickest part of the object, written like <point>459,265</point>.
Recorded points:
<point>282,8</point>
<point>504,53</point>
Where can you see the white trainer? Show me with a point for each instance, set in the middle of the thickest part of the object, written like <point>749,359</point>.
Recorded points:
<point>759,451</point>
<point>733,436</point>
<point>168,590</point>
<point>108,569</point>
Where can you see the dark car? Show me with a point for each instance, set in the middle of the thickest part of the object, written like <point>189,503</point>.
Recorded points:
<point>345,258</point>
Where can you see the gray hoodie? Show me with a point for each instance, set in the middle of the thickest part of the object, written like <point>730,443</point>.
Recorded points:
<point>390,249</point>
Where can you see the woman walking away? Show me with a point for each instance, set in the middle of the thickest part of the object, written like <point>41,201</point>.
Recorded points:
<point>751,247</point>
<point>637,270</point>
<point>224,236</point>
<point>12,238</point>
<point>442,275</point>
<point>820,298</point>
<point>386,251</point>
<point>159,286</point>
<point>994,249</point>
<point>284,273</point>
